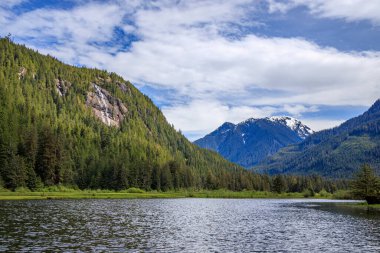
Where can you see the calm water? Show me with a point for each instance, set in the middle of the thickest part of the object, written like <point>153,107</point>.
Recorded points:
<point>186,225</point>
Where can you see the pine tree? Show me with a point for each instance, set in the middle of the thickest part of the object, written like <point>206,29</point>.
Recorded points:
<point>279,184</point>
<point>366,183</point>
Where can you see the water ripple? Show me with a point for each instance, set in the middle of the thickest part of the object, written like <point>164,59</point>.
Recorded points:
<point>185,225</point>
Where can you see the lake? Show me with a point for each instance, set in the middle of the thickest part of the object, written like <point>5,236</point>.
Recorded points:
<point>186,225</point>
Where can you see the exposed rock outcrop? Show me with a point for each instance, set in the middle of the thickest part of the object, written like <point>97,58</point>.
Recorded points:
<point>110,110</point>
<point>21,73</point>
<point>124,88</point>
<point>62,86</point>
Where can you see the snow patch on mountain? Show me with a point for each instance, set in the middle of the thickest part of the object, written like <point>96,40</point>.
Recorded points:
<point>302,130</point>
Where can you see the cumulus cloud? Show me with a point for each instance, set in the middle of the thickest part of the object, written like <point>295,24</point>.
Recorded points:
<point>200,117</point>
<point>210,67</point>
<point>11,3</point>
<point>353,10</point>
<point>201,50</point>
<point>68,34</point>
<point>321,124</point>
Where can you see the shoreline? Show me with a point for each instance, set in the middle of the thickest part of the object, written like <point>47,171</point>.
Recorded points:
<point>221,194</point>
<point>364,206</point>
<point>139,194</point>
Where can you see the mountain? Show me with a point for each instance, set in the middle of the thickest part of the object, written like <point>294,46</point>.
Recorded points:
<point>88,128</point>
<point>250,141</point>
<point>302,130</point>
<point>336,152</point>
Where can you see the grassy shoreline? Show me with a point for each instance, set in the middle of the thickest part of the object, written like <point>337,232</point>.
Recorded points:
<point>364,206</point>
<point>140,194</point>
<point>56,193</point>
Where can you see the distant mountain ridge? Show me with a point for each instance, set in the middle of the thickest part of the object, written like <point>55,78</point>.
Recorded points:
<point>302,130</point>
<point>336,152</point>
<point>250,141</point>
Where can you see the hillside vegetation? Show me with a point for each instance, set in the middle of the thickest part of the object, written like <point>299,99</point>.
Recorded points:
<point>251,141</point>
<point>337,152</point>
<point>90,129</point>
<point>49,132</point>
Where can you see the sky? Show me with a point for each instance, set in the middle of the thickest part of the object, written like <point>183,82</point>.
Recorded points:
<point>205,62</point>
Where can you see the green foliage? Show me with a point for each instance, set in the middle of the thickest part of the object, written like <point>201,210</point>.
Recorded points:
<point>53,193</point>
<point>279,184</point>
<point>22,189</point>
<point>48,139</point>
<point>57,188</point>
<point>324,194</point>
<point>308,193</point>
<point>334,153</point>
<point>1,184</point>
<point>134,190</point>
<point>343,194</point>
<point>366,183</point>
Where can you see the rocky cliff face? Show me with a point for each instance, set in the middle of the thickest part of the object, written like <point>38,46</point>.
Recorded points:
<point>111,111</point>
<point>62,86</point>
<point>21,73</point>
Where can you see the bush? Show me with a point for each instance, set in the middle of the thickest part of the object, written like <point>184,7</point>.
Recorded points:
<point>2,189</point>
<point>308,193</point>
<point>58,188</point>
<point>22,189</point>
<point>323,193</point>
<point>341,194</point>
<point>134,190</point>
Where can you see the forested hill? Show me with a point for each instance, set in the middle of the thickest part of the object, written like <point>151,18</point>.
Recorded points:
<point>61,124</point>
<point>337,152</point>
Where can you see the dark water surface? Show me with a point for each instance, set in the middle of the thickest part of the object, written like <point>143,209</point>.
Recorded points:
<point>186,225</point>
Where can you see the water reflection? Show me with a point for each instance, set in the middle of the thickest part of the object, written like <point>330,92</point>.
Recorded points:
<point>190,225</point>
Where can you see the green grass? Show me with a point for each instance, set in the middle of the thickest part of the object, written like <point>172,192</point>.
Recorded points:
<point>91,194</point>
<point>135,193</point>
<point>242,194</point>
<point>364,205</point>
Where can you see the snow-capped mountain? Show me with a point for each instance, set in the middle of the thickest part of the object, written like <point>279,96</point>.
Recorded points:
<point>250,141</point>
<point>302,130</point>
<point>337,152</point>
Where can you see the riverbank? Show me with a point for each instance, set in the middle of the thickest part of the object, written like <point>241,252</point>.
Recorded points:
<point>365,206</point>
<point>135,193</point>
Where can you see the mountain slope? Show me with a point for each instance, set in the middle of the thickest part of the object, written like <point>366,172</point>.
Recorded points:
<point>61,124</point>
<point>249,142</point>
<point>336,152</point>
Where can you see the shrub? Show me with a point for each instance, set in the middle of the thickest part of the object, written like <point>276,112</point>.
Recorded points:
<point>341,194</point>
<point>324,193</point>
<point>134,190</point>
<point>22,189</point>
<point>308,193</point>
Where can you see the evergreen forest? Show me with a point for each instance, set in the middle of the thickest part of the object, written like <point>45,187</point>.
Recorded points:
<point>50,135</point>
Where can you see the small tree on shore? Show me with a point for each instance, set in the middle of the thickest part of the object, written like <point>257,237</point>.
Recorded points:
<point>366,183</point>
<point>279,184</point>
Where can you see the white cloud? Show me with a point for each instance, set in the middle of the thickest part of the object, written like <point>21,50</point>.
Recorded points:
<point>202,68</point>
<point>202,117</point>
<point>321,124</point>
<point>11,3</point>
<point>182,47</point>
<point>350,10</point>
<point>297,110</point>
<point>71,34</point>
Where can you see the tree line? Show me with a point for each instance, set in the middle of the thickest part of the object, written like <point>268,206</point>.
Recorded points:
<point>48,139</point>
<point>366,185</point>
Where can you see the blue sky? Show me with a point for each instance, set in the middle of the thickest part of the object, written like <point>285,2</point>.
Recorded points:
<point>211,61</point>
